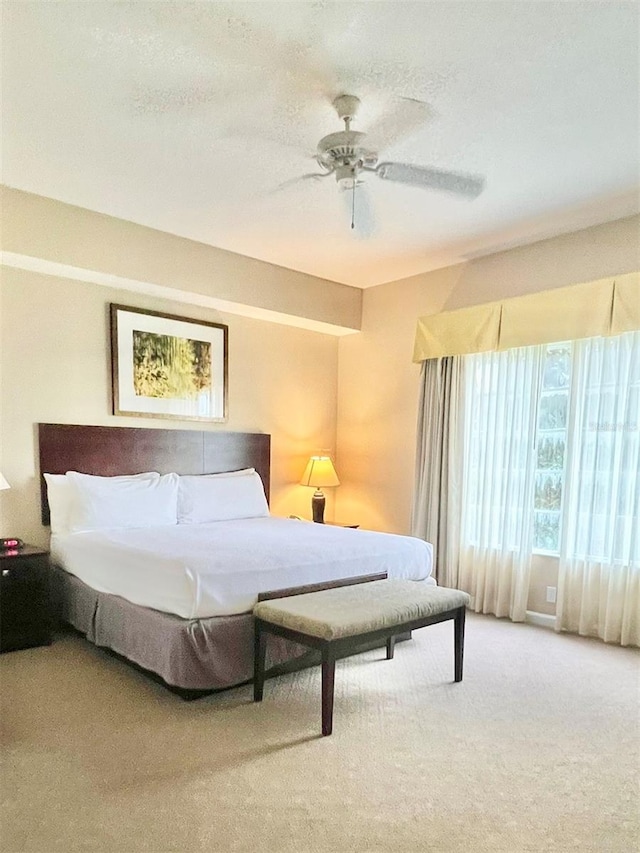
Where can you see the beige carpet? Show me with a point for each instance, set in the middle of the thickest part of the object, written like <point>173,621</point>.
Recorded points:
<point>537,750</point>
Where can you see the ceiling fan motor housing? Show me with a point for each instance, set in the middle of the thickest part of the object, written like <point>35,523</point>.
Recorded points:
<point>344,153</point>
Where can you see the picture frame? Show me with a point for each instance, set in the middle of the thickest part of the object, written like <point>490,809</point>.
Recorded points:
<point>165,366</point>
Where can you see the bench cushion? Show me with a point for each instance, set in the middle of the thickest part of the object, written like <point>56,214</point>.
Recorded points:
<point>358,609</point>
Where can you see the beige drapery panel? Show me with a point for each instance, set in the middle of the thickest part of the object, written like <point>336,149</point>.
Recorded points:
<point>436,498</point>
<point>609,306</point>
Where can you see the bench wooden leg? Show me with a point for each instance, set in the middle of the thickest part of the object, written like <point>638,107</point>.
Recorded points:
<point>391,644</point>
<point>459,642</point>
<point>328,676</point>
<point>259,656</point>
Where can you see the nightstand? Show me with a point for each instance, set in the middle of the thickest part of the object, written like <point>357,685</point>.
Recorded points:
<point>25,608</point>
<point>338,524</point>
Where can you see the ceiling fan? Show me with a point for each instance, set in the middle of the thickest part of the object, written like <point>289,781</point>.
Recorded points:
<point>348,156</point>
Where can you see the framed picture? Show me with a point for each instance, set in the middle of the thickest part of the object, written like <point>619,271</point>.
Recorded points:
<point>163,366</point>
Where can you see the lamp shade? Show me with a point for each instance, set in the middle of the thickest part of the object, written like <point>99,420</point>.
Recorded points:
<point>320,473</point>
<point>3,483</point>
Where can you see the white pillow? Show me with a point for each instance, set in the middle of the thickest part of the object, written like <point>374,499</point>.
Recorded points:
<point>60,496</point>
<point>221,497</point>
<point>144,500</point>
<point>60,499</point>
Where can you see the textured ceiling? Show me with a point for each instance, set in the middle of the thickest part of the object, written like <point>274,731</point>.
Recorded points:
<point>188,117</point>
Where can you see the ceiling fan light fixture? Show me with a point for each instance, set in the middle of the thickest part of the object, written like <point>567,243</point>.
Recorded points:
<point>347,175</point>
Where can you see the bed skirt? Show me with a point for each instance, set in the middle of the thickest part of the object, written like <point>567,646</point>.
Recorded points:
<point>189,654</point>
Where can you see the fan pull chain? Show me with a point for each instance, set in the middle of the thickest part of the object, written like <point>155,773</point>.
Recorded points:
<point>353,206</point>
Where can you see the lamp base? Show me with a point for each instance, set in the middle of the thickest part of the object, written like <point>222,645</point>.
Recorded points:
<point>317,506</point>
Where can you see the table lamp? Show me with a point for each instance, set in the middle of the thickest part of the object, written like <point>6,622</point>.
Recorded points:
<point>320,474</point>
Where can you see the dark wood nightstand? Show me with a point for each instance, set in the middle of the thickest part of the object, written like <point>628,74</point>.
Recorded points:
<point>25,608</point>
<point>339,524</point>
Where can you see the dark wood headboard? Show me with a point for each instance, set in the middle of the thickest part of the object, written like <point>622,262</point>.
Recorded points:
<point>110,451</point>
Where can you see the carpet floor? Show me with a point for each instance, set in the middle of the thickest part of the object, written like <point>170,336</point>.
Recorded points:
<point>536,750</point>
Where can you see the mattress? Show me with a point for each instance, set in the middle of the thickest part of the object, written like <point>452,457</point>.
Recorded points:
<point>203,570</point>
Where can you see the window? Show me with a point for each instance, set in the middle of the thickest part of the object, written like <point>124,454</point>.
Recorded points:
<point>551,447</point>
<point>499,463</point>
<point>603,521</point>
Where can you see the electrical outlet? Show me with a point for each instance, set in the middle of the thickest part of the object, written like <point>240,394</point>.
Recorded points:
<point>551,594</point>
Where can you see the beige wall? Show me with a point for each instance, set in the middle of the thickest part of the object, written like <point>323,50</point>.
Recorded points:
<point>378,383</point>
<point>58,234</point>
<point>307,389</point>
<point>55,368</point>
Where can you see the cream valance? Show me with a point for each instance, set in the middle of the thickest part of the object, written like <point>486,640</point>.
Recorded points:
<point>609,306</point>
<point>626,304</point>
<point>474,329</point>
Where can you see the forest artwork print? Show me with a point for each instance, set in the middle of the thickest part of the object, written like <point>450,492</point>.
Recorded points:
<point>168,366</point>
<point>165,366</point>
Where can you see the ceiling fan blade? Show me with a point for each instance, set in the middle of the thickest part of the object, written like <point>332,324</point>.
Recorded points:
<point>359,211</point>
<point>402,117</point>
<point>299,179</point>
<point>228,40</point>
<point>432,179</point>
<point>212,54</point>
<point>306,74</point>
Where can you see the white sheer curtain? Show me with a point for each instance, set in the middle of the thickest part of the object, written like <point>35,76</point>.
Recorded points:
<point>436,499</point>
<point>599,581</point>
<point>499,463</point>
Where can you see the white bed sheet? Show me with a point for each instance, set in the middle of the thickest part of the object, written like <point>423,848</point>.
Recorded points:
<point>218,569</point>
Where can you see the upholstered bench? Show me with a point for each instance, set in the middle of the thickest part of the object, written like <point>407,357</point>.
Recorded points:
<point>339,620</point>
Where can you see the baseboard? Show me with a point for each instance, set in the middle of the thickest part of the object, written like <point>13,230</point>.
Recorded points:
<point>545,620</point>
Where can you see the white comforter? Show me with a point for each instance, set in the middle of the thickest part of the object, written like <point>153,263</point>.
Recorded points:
<point>201,570</point>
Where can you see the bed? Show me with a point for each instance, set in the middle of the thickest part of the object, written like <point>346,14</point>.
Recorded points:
<point>176,599</point>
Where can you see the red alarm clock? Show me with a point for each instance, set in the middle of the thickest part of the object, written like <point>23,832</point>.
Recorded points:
<point>11,544</point>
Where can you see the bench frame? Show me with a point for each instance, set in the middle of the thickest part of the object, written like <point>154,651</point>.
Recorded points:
<point>340,647</point>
